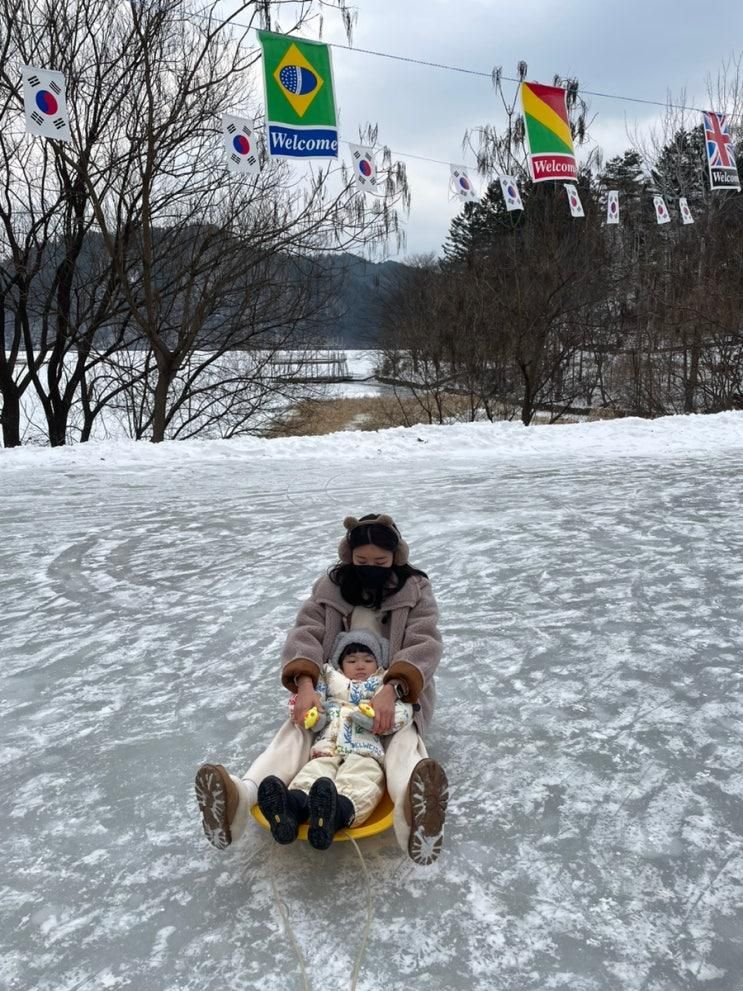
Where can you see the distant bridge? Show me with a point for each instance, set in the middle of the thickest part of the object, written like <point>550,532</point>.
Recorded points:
<point>328,364</point>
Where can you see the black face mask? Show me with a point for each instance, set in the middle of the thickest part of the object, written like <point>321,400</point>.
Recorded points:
<point>372,575</point>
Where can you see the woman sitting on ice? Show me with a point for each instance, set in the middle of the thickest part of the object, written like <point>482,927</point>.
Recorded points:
<point>373,587</point>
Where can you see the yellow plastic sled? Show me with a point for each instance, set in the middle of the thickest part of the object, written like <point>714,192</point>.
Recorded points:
<point>378,821</point>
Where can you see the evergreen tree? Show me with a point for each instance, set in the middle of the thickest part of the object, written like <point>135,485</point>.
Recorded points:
<point>473,232</point>
<point>626,174</point>
<point>681,167</point>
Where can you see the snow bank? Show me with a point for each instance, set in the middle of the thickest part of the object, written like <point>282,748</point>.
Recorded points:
<point>670,436</point>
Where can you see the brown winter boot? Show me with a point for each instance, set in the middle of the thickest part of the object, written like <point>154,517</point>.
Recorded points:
<point>218,797</point>
<point>428,796</point>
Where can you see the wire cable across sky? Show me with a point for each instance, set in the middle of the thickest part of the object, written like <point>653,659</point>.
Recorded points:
<point>215,22</point>
<point>665,104</point>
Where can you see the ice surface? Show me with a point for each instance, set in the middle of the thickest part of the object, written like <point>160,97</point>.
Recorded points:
<point>590,581</point>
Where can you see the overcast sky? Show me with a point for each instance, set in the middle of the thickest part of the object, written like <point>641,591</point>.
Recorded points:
<point>649,49</point>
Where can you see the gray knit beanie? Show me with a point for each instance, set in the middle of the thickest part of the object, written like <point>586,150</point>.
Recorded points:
<point>376,646</point>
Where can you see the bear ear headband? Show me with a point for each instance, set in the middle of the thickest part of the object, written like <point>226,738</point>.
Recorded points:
<point>401,553</point>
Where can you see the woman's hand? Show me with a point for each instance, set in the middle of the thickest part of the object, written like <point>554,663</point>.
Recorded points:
<point>384,709</point>
<point>306,698</point>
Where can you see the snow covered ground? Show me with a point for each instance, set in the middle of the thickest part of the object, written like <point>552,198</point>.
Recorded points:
<point>590,581</point>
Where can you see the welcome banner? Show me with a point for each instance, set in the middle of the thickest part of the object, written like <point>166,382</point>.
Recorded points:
<point>723,172</point>
<point>301,119</point>
<point>551,153</point>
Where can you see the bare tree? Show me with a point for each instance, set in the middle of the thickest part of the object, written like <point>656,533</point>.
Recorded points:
<point>71,292</point>
<point>191,256</point>
<point>197,236</point>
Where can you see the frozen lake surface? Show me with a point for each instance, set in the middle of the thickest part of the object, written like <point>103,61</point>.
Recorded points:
<point>590,714</point>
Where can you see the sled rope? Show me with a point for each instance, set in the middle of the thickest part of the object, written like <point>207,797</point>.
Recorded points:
<point>285,918</point>
<point>290,932</point>
<point>369,913</point>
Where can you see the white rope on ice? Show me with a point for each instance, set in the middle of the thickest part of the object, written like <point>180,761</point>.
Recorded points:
<point>369,913</point>
<point>290,931</point>
<point>287,924</point>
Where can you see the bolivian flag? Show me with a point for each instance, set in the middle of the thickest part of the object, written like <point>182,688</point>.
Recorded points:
<point>551,154</point>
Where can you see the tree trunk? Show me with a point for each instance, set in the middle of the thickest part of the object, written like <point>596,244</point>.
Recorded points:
<point>10,418</point>
<point>88,415</point>
<point>527,400</point>
<point>57,425</point>
<point>160,404</point>
<point>527,403</point>
<point>691,380</point>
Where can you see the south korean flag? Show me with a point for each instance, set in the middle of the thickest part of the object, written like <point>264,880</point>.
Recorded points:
<point>240,145</point>
<point>661,210</point>
<point>364,168</point>
<point>511,193</point>
<point>45,104</point>
<point>612,207</point>
<point>686,217</point>
<point>576,207</point>
<point>462,183</point>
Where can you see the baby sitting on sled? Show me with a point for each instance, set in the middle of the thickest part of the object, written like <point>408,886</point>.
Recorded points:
<point>343,781</point>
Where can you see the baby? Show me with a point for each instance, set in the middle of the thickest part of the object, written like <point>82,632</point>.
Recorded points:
<point>343,781</point>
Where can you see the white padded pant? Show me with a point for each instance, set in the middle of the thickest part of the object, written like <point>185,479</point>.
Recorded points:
<point>289,751</point>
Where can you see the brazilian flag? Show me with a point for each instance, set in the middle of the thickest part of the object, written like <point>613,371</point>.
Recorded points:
<point>300,103</point>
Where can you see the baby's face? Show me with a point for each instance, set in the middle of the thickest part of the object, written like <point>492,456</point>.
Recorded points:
<point>358,666</point>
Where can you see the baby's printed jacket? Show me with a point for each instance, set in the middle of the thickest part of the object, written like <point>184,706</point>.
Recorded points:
<point>341,733</point>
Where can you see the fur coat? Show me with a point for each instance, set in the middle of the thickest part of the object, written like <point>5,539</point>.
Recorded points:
<point>415,648</point>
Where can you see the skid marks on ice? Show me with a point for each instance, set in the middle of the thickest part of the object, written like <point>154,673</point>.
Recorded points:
<point>589,721</point>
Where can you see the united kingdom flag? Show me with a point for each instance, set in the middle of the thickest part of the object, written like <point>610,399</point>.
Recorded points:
<point>723,172</point>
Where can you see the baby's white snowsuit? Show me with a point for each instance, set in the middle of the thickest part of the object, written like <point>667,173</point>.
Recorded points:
<point>344,750</point>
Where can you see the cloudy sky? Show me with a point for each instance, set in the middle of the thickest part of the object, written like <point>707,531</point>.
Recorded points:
<point>654,50</point>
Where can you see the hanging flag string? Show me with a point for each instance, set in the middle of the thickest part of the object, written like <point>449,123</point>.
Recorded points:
<point>472,72</point>
<point>299,72</point>
<point>218,23</point>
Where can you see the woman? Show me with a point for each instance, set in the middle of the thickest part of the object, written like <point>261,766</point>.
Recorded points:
<point>372,588</point>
